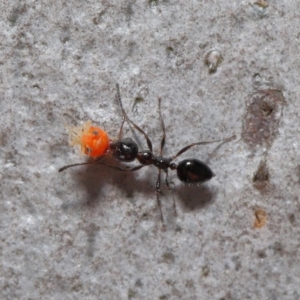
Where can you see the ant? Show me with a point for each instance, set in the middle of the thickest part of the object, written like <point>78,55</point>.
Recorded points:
<point>126,150</point>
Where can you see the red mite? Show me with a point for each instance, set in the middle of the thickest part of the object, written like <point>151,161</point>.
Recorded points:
<point>95,143</point>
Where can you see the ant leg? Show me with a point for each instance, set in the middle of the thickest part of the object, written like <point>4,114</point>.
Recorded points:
<point>97,161</point>
<point>166,180</point>
<point>158,192</point>
<point>202,143</point>
<point>74,165</point>
<point>163,140</point>
<point>125,116</point>
<point>129,169</point>
<point>167,184</point>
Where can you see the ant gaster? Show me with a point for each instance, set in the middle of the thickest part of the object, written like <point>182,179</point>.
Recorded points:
<point>126,150</point>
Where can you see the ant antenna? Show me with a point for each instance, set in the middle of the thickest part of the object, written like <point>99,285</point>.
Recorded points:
<point>163,140</point>
<point>125,116</point>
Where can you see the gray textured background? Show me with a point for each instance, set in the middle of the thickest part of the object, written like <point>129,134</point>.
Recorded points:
<point>93,233</point>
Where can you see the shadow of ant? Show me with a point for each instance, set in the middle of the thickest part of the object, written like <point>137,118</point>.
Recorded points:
<point>93,179</point>
<point>195,198</point>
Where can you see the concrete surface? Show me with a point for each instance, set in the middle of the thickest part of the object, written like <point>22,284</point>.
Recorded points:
<point>94,233</point>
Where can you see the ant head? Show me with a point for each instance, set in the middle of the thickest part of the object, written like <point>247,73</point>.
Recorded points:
<point>124,150</point>
<point>193,171</point>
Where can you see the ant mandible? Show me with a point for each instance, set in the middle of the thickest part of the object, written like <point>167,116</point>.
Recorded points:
<point>126,150</point>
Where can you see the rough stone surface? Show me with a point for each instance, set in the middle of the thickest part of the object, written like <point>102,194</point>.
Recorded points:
<point>95,233</point>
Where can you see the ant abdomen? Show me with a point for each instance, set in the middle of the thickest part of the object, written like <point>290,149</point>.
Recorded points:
<point>124,150</point>
<point>193,171</point>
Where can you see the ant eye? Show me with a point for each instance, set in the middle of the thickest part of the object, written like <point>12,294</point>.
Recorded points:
<point>193,170</point>
<point>124,150</point>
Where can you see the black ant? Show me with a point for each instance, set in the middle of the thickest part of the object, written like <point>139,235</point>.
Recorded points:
<point>126,150</point>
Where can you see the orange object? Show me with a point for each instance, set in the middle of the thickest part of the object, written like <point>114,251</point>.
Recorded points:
<point>260,218</point>
<point>93,141</point>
